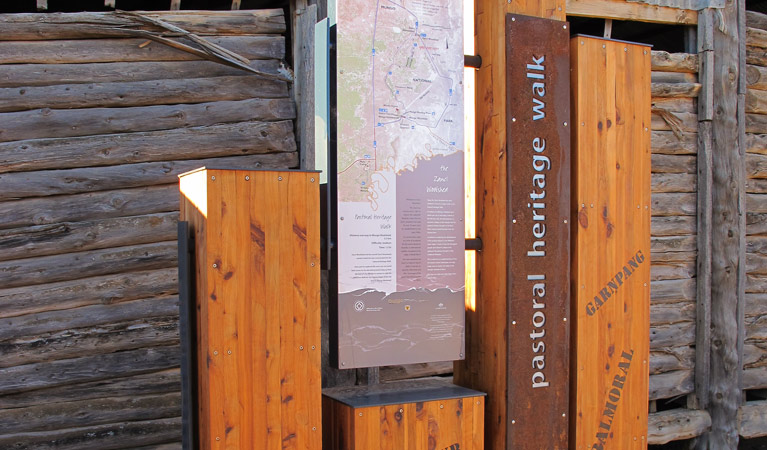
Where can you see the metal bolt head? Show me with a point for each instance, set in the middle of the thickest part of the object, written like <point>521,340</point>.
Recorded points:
<point>279,178</point>
<point>314,347</point>
<point>215,352</point>
<point>565,123</point>
<point>312,264</point>
<point>441,406</point>
<point>215,265</point>
<point>247,177</point>
<point>314,428</point>
<point>218,438</point>
<point>229,352</point>
<point>213,177</point>
<point>360,414</point>
<point>300,347</point>
<point>563,26</point>
<point>401,410</point>
<point>311,179</point>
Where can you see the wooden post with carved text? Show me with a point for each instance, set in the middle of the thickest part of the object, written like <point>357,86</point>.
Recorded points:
<point>486,365</point>
<point>611,243</point>
<point>257,272</point>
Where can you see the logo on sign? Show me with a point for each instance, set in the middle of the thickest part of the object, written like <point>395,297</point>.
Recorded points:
<point>359,306</point>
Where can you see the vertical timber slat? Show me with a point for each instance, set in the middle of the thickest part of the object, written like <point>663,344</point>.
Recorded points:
<point>486,326</point>
<point>257,260</point>
<point>611,243</point>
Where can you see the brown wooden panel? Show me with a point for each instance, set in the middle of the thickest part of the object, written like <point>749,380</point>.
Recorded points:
<point>611,232</point>
<point>451,424</point>
<point>538,196</point>
<point>259,347</point>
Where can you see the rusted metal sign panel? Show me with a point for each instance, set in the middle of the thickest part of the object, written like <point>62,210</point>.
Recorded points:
<point>611,269</point>
<point>538,144</point>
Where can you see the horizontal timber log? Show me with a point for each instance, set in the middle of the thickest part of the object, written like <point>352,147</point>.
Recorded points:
<point>673,243</point>
<point>754,353</point>
<point>756,264</point>
<point>673,204</point>
<point>756,19</point>
<point>672,313</point>
<point>107,289</point>
<point>664,257</point>
<point>756,56</point>
<point>672,291</point>
<point>755,283</point>
<point>87,316</point>
<point>672,77</point>
<point>140,93</point>
<point>89,206</point>
<point>672,384</point>
<point>753,419</point>
<point>92,340</point>
<point>666,142</point>
<point>680,104</point>
<point>672,226</point>
<point>672,270</point>
<point>72,181</point>
<point>243,138</point>
<point>161,382</point>
<point>16,75</point>
<point>25,27</point>
<point>756,143</point>
<point>756,37</point>
<point>50,123</point>
<point>49,269</point>
<point>756,186</point>
<point>68,237</point>
<point>756,223</point>
<point>674,164</point>
<point>756,304</point>
<point>680,333</point>
<point>755,378</point>
<point>756,328</point>
<point>87,368</point>
<point>756,203</point>
<point>756,101</point>
<point>675,90</point>
<point>756,123</point>
<point>103,437</point>
<point>674,62</point>
<point>126,50</point>
<point>674,182</point>
<point>682,121</point>
<point>756,77</point>
<point>756,165</point>
<point>671,358</point>
<point>756,244</point>
<point>676,424</point>
<point>89,412</point>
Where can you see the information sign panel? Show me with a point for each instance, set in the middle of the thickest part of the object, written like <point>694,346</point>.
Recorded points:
<point>538,140</point>
<point>400,182</point>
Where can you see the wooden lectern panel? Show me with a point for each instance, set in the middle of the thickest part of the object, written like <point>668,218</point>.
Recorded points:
<point>257,254</point>
<point>611,243</point>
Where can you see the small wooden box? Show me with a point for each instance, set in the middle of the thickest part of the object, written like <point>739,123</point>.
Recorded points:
<point>411,415</point>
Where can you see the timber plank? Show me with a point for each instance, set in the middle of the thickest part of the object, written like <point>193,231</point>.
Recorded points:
<point>72,181</point>
<point>161,382</point>
<point>674,164</point>
<point>756,223</point>
<point>49,269</point>
<point>23,125</point>
<point>671,291</point>
<point>674,204</point>
<point>675,90</point>
<point>612,231</point>
<point>673,243</point>
<point>662,61</point>
<point>672,226</point>
<point>671,384</point>
<point>756,123</point>
<point>756,19</point>
<point>104,437</point>
<point>671,313</point>
<point>672,271</point>
<point>30,377</point>
<point>243,138</point>
<point>753,419</point>
<point>641,12</point>
<point>107,289</point>
<point>754,353</point>
<point>89,412</point>
<point>125,50</point>
<point>672,358</point>
<point>756,101</point>
<point>674,182</point>
<point>676,424</point>
<point>682,121</point>
<point>73,342</point>
<point>88,206</point>
<point>68,237</point>
<point>680,333</point>
<point>756,77</point>
<point>140,93</point>
<point>673,78</point>
<point>675,104</point>
<point>756,165</point>
<point>18,75</point>
<point>33,325</point>
<point>25,27</point>
<point>666,142</point>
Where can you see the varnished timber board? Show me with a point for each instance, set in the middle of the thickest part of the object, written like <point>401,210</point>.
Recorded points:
<point>485,366</point>
<point>611,249</point>
<point>538,187</point>
<point>259,349</point>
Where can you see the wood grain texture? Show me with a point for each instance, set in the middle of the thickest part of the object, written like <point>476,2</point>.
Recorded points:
<point>611,230</point>
<point>261,390</point>
<point>752,418</point>
<point>485,366</point>
<point>676,424</point>
<point>440,424</point>
<point>612,9</point>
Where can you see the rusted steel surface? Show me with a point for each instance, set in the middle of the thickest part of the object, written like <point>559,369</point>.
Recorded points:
<point>538,146</point>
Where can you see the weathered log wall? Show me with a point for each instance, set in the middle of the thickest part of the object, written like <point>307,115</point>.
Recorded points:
<point>673,227</point>
<point>95,125</point>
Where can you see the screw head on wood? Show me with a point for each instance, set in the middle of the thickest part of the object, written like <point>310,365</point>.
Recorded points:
<point>314,347</point>
<point>229,352</point>
<point>401,410</point>
<point>215,352</point>
<point>213,177</point>
<point>565,123</point>
<point>311,179</point>
<point>300,347</point>
<point>215,265</point>
<point>247,178</point>
<point>218,438</point>
<point>441,406</point>
<point>279,178</point>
